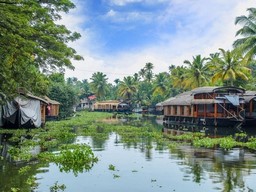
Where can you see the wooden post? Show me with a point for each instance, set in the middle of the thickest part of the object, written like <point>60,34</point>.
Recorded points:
<point>215,110</point>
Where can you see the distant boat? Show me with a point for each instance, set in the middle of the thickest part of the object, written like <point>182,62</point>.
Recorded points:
<point>207,106</point>
<point>112,106</point>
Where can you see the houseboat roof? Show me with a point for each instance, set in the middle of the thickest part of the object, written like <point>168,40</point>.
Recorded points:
<point>225,89</point>
<point>187,97</point>
<point>180,99</point>
<point>253,93</point>
<point>108,102</point>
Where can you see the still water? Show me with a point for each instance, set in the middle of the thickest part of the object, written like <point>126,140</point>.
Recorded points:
<point>139,168</point>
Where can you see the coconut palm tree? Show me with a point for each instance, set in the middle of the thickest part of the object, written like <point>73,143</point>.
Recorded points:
<point>127,88</point>
<point>142,73</point>
<point>196,73</point>
<point>149,73</point>
<point>99,84</point>
<point>160,84</point>
<point>247,44</point>
<point>178,76</point>
<point>228,67</point>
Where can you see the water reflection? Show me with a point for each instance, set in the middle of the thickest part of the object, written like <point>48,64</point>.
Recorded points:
<point>152,164</point>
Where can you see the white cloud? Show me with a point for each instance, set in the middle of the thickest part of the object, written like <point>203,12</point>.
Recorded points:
<point>127,17</point>
<point>125,2</point>
<point>209,26</point>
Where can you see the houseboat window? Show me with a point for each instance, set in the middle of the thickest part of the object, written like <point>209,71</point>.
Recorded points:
<point>200,108</point>
<point>181,110</point>
<point>210,108</point>
<point>247,108</point>
<point>254,106</point>
<point>220,108</point>
<point>175,110</point>
<point>188,111</point>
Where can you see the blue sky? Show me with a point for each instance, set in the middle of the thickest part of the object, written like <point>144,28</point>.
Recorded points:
<point>120,36</point>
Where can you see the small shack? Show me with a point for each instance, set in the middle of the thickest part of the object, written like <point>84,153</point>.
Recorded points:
<point>159,108</point>
<point>26,110</point>
<point>52,109</point>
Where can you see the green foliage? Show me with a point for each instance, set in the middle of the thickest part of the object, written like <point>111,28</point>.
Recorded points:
<point>111,167</point>
<point>76,158</point>
<point>247,43</point>
<point>127,88</point>
<point>196,75</point>
<point>99,84</point>
<point>31,42</point>
<point>24,170</point>
<point>229,67</point>
<point>64,94</point>
<point>56,187</point>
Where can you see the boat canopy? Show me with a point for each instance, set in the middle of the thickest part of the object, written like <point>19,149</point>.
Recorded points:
<point>234,99</point>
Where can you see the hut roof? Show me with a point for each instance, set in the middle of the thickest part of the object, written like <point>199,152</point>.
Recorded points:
<point>29,95</point>
<point>53,102</point>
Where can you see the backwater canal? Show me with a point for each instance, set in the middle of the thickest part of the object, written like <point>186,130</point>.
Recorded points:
<point>142,166</point>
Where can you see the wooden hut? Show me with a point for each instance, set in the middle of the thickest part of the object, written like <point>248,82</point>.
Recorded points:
<point>52,109</point>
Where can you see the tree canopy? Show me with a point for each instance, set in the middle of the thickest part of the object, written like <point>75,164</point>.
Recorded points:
<point>33,44</point>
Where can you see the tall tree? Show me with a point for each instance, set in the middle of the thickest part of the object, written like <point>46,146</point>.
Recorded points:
<point>160,84</point>
<point>142,73</point>
<point>229,67</point>
<point>196,73</point>
<point>248,43</point>
<point>178,77</point>
<point>99,84</point>
<point>127,88</point>
<point>149,71</point>
<point>31,42</point>
<point>60,91</point>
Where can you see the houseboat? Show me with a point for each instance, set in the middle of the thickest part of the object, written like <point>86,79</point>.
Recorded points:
<point>250,108</point>
<point>207,106</point>
<point>112,106</point>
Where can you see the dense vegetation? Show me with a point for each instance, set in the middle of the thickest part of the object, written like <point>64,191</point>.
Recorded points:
<point>34,52</point>
<point>234,67</point>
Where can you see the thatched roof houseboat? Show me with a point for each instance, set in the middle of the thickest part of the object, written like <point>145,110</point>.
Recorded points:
<point>250,107</point>
<point>111,106</point>
<point>211,106</point>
